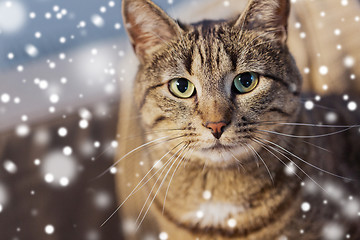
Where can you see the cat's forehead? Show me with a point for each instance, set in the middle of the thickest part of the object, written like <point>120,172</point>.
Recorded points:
<point>208,30</point>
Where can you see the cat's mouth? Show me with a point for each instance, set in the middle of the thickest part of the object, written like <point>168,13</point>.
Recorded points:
<point>219,153</point>
<point>218,146</point>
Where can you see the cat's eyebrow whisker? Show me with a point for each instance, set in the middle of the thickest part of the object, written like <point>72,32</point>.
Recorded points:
<point>264,43</point>
<point>268,170</point>
<point>241,30</point>
<point>162,182</point>
<point>305,136</point>
<point>309,164</point>
<point>177,24</point>
<point>156,142</point>
<point>172,176</point>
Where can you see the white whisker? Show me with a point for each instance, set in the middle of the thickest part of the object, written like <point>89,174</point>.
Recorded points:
<point>156,141</point>
<point>305,136</point>
<point>162,182</point>
<point>306,174</point>
<point>311,165</point>
<point>137,188</point>
<point>172,176</point>
<point>265,147</point>
<point>314,125</point>
<point>268,170</point>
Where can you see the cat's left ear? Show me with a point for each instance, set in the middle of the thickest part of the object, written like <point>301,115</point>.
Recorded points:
<point>148,26</point>
<point>268,16</point>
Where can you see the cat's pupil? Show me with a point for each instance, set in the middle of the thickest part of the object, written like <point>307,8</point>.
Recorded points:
<point>182,85</point>
<point>246,79</point>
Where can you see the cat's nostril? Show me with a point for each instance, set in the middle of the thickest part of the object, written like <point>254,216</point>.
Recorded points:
<point>217,128</point>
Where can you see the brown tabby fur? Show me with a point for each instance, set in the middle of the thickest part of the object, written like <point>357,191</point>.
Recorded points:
<point>244,169</point>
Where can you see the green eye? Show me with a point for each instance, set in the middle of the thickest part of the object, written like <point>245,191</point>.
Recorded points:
<point>181,88</point>
<point>246,82</point>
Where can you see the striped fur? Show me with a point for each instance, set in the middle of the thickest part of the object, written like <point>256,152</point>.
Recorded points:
<point>247,201</point>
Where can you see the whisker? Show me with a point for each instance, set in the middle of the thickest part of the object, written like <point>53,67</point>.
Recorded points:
<point>137,188</point>
<point>252,152</point>
<point>315,125</point>
<point>241,30</point>
<point>265,147</point>
<point>309,164</point>
<point>287,141</point>
<point>136,136</point>
<point>187,160</point>
<point>138,148</point>
<point>314,145</point>
<point>162,182</point>
<point>264,43</point>
<point>316,105</point>
<point>172,176</point>
<point>306,174</point>
<point>151,132</point>
<point>306,136</point>
<point>268,170</point>
<point>163,169</point>
<point>239,162</point>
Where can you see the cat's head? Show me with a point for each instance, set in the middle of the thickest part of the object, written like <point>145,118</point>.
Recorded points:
<point>216,85</point>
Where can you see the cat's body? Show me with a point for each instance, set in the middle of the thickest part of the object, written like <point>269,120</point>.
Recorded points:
<point>223,172</point>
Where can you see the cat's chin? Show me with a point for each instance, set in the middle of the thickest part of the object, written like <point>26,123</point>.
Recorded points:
<point>219,155</point>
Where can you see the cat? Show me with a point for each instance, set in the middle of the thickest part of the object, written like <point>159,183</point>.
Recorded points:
<point>215,142</point>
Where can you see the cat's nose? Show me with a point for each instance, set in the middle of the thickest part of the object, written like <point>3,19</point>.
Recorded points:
<point>217,128</point>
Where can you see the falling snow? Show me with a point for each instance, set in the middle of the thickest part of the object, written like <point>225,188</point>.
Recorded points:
<point>10,166</point>
<point>305,207</point>
<point>352,106</point>
<point>232,223</point>
<point>309,105</point>
<point>207,195</point>
<point>333,231</point>
<point>59,168</point>
<point>323,70</point>
<point>163,236</point>
<point>61,75</point>
<point>49,229</point>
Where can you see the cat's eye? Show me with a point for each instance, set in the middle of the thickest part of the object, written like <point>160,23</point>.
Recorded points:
<point>182,88</point>
<point>246,82</point>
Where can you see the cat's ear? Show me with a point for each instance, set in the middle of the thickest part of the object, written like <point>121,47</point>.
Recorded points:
<point>266,15</point>
<point>148,26</point>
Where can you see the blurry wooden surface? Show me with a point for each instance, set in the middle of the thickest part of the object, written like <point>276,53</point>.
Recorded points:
<point>72,210</point>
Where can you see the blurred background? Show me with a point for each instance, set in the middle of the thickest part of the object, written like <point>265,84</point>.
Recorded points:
<point>62,65</point>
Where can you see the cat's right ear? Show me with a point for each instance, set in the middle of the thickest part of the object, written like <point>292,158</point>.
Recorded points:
<point>269,16</point>
<point>148,26</point>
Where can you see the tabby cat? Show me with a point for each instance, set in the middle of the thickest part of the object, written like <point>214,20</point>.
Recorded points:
<point>215,141</point>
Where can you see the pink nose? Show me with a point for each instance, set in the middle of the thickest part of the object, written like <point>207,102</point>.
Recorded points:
<point>217,128</point>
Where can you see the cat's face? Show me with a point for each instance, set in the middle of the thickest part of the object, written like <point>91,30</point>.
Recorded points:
<point>214,86</point>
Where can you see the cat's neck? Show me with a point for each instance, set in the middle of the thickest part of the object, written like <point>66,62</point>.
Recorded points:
<point>235,201</point>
